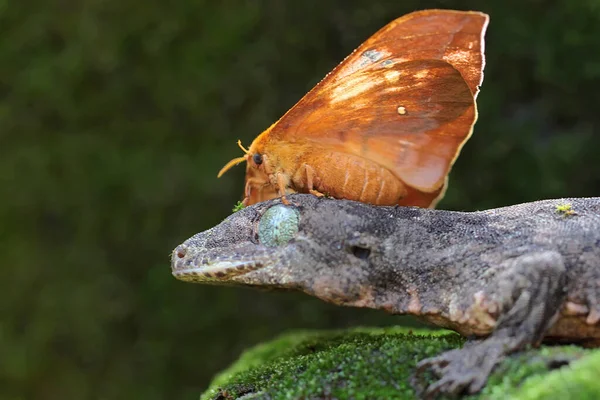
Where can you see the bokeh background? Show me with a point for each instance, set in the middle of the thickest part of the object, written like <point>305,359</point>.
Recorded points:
<point>115,116</point>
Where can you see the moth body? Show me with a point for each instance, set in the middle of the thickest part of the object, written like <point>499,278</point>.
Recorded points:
<point>345,176</point>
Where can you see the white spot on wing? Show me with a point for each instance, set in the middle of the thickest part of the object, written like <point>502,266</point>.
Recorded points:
<point>391,76</point>
<point>353,86</point>
<point>421,74</point>
<point>402,110</point>
<point>373,55</point>
<point>367,57</point>
<point>458,56</point>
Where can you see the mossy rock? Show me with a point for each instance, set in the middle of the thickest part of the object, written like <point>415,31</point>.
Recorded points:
<point>375,363</point>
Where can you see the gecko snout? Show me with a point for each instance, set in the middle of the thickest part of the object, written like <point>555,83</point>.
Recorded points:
<point>180,251</point>
<point>179,257</point>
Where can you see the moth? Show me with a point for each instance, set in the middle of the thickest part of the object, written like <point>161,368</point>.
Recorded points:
<point>386,125</point>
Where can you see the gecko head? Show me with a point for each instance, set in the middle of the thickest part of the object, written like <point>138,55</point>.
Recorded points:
<point>319,246</point>
<point>233,252</point>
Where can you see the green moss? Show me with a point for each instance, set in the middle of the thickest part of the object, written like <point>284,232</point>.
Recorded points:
<point>565,209</point>
<point>580,380</point>
<point>378,363</point>
<point>238,206</point>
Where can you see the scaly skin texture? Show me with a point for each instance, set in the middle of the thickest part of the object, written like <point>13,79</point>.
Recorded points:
<point>508,277</point>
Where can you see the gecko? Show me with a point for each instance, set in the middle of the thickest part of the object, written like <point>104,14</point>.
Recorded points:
<point>506,278</point>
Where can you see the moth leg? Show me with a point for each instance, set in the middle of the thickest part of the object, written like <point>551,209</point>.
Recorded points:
<point>247,192</point>
<point>526,296</point>
<point>281,187</point>
<point>310,175</point>
<point>252,183</point>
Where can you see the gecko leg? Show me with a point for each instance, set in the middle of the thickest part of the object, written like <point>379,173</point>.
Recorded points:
<point>527,295</point>
<point>592,296</point>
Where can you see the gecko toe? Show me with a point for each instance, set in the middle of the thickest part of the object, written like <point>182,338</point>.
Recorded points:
<point>478,383</point>
<point>453,385</point>
<point>435,364</point>
<point>458,371</point>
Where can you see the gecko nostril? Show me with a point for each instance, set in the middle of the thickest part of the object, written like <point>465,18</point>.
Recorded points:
<point>181,251</point>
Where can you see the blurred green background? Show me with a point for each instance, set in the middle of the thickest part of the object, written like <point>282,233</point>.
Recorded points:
<point>116,115</point>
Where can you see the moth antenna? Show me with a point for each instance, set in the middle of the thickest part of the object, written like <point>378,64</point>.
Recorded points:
<point>230,164</point>
<point>236,160</point>
<point>242,147</point>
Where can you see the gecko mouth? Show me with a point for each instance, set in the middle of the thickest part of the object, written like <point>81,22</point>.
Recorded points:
<point>222,270</point>
<point>194,268</point>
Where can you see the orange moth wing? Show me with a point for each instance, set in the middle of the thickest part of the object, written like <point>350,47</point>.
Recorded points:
<point>386,125</point>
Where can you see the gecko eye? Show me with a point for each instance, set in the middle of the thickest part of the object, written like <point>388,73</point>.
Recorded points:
<point>278,225</point>
<point>257,158</point>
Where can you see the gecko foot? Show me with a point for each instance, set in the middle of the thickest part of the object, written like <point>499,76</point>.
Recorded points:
<point>593,303</point>
<point>459,371</point>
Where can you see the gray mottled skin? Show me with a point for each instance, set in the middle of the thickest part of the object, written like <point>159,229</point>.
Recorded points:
<point>509,277</point>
